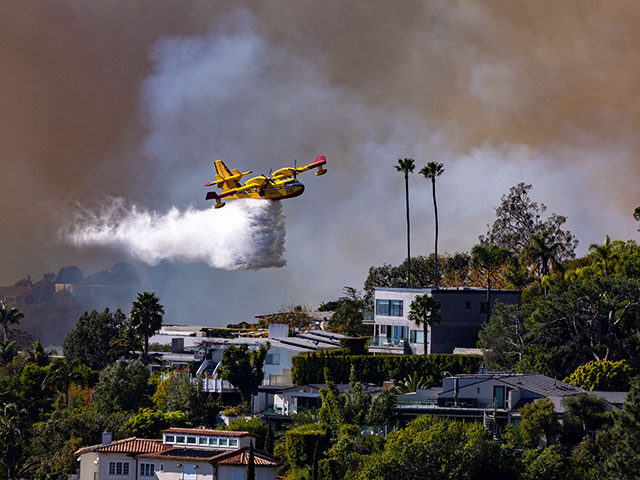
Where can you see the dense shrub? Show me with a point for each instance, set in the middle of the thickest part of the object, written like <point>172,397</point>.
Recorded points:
<point>309,368</point>
<point>302,441</point>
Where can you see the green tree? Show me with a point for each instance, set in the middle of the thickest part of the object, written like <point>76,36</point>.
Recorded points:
<point>36,354</point>
<point>90,341</point>
<point>146,318</point>
<point>123,387</point>
<point>605,253</point>
<point>243,368</point>
<point>332,411</point>
<point>347,317</point>
<point>8,351</point>
<point>588,409</point>
<point>12,437</point>
<point>431,171</point>
<point>518,217</point>
<point>489,258</point>
<point>149,423</point>
<point>406,166</point>
<point>506,337</point>
<point>437,450</point>
<point>550,464</point>
<point>268,439</point>
<point>623,460</point>
<point>425,311</point>
<point>538,421</point>
<point>62,373</point>
<point>542,254</point>
<point>602,375</point>
<point>9,316</point>
<point>179,392</point>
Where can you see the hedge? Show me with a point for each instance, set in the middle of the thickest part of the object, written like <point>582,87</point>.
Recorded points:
<point>302,441</point>
<point>309,367</point>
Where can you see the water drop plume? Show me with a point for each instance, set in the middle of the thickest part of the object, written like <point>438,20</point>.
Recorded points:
<point>245,234</point>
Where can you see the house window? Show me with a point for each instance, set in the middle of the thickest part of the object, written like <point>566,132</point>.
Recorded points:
<point>233,442</point>
<point>213,441</point>
<point>203,440</point>
<point>272,359</point>
<point>484,307</point>
<point>400,333</point>
<point>417,336</point>
<point>191,440</point>
<point>498,396</point>
<point>169,439</point>
<point>180,440</point>
<point>389,308</point>
<point>383,330</point>
<point>118,468</point>
<point>147,469</point>
<point>222,442</point>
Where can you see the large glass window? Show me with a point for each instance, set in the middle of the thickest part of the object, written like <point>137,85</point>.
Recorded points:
<point>417,336</point>
<point>400,332</point>
<point>389,308</point>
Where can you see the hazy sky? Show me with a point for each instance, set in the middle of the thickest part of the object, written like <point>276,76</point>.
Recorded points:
<point>135,100</point>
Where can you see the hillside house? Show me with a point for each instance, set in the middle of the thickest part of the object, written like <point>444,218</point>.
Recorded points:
<point>463,312</point>
<point>182,454</point>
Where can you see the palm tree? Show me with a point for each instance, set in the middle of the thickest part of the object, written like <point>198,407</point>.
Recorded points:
<point>62,374</point>
<point>425,311</point>
<point>411,383</point>
<point>431,171</point>
<point>605,253</point>
<point>489,258</point>
<point>542,255</point>
<point>146,318</point>
<point>36,354</point>
<point>8,350</point>
<point>9,316</point>
<point>406,166</point>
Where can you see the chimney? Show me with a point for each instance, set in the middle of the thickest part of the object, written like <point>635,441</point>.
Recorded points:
<point>106,438</point>
<point>387,384</point>
<point>177,345</point>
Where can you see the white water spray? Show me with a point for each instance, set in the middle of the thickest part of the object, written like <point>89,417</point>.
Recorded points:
<point>245,234</point>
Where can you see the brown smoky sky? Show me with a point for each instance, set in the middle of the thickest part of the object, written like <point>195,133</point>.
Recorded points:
<point>490,88</point>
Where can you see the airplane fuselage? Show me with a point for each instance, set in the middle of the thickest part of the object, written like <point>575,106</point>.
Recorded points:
<point>289,189</point>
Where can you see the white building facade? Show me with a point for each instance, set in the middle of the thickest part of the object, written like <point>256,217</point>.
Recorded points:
<point>463,312</point>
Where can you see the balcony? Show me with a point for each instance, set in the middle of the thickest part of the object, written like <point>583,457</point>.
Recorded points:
<point>396,346</point>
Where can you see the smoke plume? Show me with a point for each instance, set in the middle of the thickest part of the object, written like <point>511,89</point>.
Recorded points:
<point>246,234</point>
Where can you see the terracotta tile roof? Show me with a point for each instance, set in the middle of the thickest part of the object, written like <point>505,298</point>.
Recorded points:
<point>206,431</point>
<point>241,457</point>
<point>127,445</point>
<point>185,454</point>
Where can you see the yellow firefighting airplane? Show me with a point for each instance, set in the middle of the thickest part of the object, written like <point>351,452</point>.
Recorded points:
<point>282,184</point>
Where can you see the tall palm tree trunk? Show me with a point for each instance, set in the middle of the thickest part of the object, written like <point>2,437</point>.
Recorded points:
<point>406,187</point>
<point>435,209</point>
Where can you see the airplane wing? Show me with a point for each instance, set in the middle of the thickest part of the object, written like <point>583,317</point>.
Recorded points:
<point>290,171</point>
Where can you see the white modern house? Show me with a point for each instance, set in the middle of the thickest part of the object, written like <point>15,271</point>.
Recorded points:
<point>182,454</point>
<point>207,351</point>
<point>463,311</point>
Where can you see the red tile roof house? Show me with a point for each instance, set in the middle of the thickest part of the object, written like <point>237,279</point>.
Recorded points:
<point>182,454</point>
